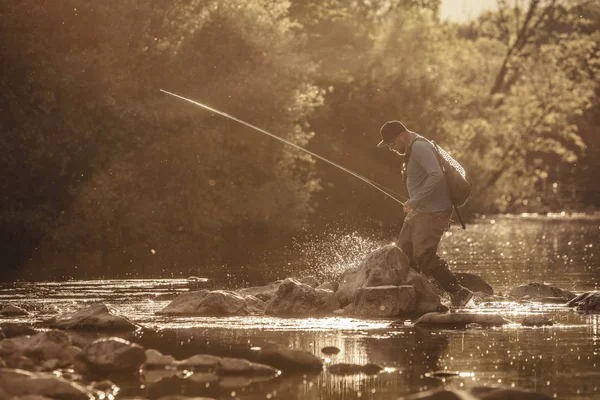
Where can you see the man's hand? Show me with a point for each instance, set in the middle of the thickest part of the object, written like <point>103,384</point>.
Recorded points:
<point>407,209</point>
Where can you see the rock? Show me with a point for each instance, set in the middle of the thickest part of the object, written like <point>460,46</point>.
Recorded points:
<point>460,320</point>
<point>199,362</point>
<point>265,293</point>
<point>494,393</point>
<point>534,291</point>
<point>353,369</point>
<point>295,298</point>
<point>12,329</point>
<point>427,299</point>
<point>328,286</point>
<point>239,366</point>
<point>15,382</point>
<point>214,303</point>
<point>384,301</point>
<point>537,320</point>
<point>96,317</point>
<point>12,311</point>
<point>41,347</point>
<point>288,359</point>
<point>255,305</point>
<point>310,281</point>
<point>113,355</point>
<point>586,302</point>
<point>440,394</point>
<point>155,359</point>
<point>330,350</point>
<point>180,397</point>
<point>385,266</point>
<point>474,283</point>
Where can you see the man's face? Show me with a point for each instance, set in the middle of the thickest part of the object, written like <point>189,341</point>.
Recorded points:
<point>399,144</point>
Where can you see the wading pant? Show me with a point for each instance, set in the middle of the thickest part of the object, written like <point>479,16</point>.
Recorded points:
<point>419,239</point>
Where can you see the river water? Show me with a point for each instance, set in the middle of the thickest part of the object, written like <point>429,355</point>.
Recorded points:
<point>562,361</point>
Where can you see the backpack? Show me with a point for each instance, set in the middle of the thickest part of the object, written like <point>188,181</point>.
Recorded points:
<point>456,177</point>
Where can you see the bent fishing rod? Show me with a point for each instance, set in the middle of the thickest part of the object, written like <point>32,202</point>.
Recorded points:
<point>396,197</point>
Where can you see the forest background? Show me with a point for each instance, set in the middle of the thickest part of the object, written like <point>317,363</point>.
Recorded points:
<point>102,175</point>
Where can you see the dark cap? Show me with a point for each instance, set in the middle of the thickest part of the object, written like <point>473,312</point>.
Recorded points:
<point>390,131</point>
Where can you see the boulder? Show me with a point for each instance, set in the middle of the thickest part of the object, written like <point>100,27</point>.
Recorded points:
<point>155,359</point>
<point>460,320</point>
<point>537,320</point>
<point>239,366</point>
<point>333,286</point>
<point>255,305</point>
<point>295,298</point>
<point>12,311</point>
<point>384,301</point>
<point>15,382</point>
<point>533,291</point>
<point>309,280</point>
<point>427,299</point>
<point>287,359</point>
<point>215,303</point>
<point>385,266</point>
<point>474,283</point>
<point>586,302</point>
<point>95,317</point>
<point>42,347</point>
<point>112,355</point>
<point>265,293</point>
<point>12,329</point>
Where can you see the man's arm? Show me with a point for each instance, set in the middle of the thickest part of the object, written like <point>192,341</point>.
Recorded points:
<point>424,154</point>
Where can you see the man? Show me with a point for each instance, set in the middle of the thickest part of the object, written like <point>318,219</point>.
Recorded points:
<point>428,209</point>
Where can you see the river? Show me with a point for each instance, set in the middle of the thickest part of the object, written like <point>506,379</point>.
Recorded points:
<point>562,361</point>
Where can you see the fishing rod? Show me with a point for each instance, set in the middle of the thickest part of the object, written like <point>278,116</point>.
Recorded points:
<point>388,192</point>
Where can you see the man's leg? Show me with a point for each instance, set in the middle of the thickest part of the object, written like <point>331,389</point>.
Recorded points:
<point>405,242</point>
<point>427,233</point>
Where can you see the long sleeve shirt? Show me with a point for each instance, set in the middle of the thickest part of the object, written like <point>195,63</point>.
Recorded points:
<point>427,188</point>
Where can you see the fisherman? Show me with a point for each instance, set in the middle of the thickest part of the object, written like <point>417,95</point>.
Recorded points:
<point>428,209</point>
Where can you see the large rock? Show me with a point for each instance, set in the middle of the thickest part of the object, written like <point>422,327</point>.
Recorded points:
<point>47,349</point>
<point>474,283</point>
<point>287,359</point>
<point>112,355</point>
<point>534,291</point>
<point>255,305</point>
<point>586,302</point>
<point>217,303</point>
<point>460,320</point>
<point>427,299</point>
<point>295,298</point>
<point>385,266</point>
<point>12,329</point>
<point>15,382</point>
<point>96,317</point>
<point>12,311</point>
<point>384,301</point>
<point>265,293</point>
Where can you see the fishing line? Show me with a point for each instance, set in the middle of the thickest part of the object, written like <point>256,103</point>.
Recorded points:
<point>374,184</point>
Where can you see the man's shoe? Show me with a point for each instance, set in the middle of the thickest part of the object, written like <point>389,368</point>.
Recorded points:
<point>461,297</point>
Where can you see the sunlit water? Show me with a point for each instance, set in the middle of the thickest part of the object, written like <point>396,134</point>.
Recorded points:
<point>562,360</point>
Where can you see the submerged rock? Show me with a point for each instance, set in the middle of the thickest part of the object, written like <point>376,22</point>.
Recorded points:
<point>12,311</point>
<point>217,303</point>
<point>460,320</point>
<point>534,291</point>
<point>586,302</point>
<point>294,298</point>
<point>199,362</point>
<point>112,355</point>
<point>537,320</point>
<point>474,283</point>
<point>287,359</point>
<point>155,359</point>
<point>96,317</point>
<point>12,329</point>
<point>15,382</point>
<point>384,301</point>
<point>353,369</point>
<point>477,393</point>
<point>50,349</point>
<point>330,350</point>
